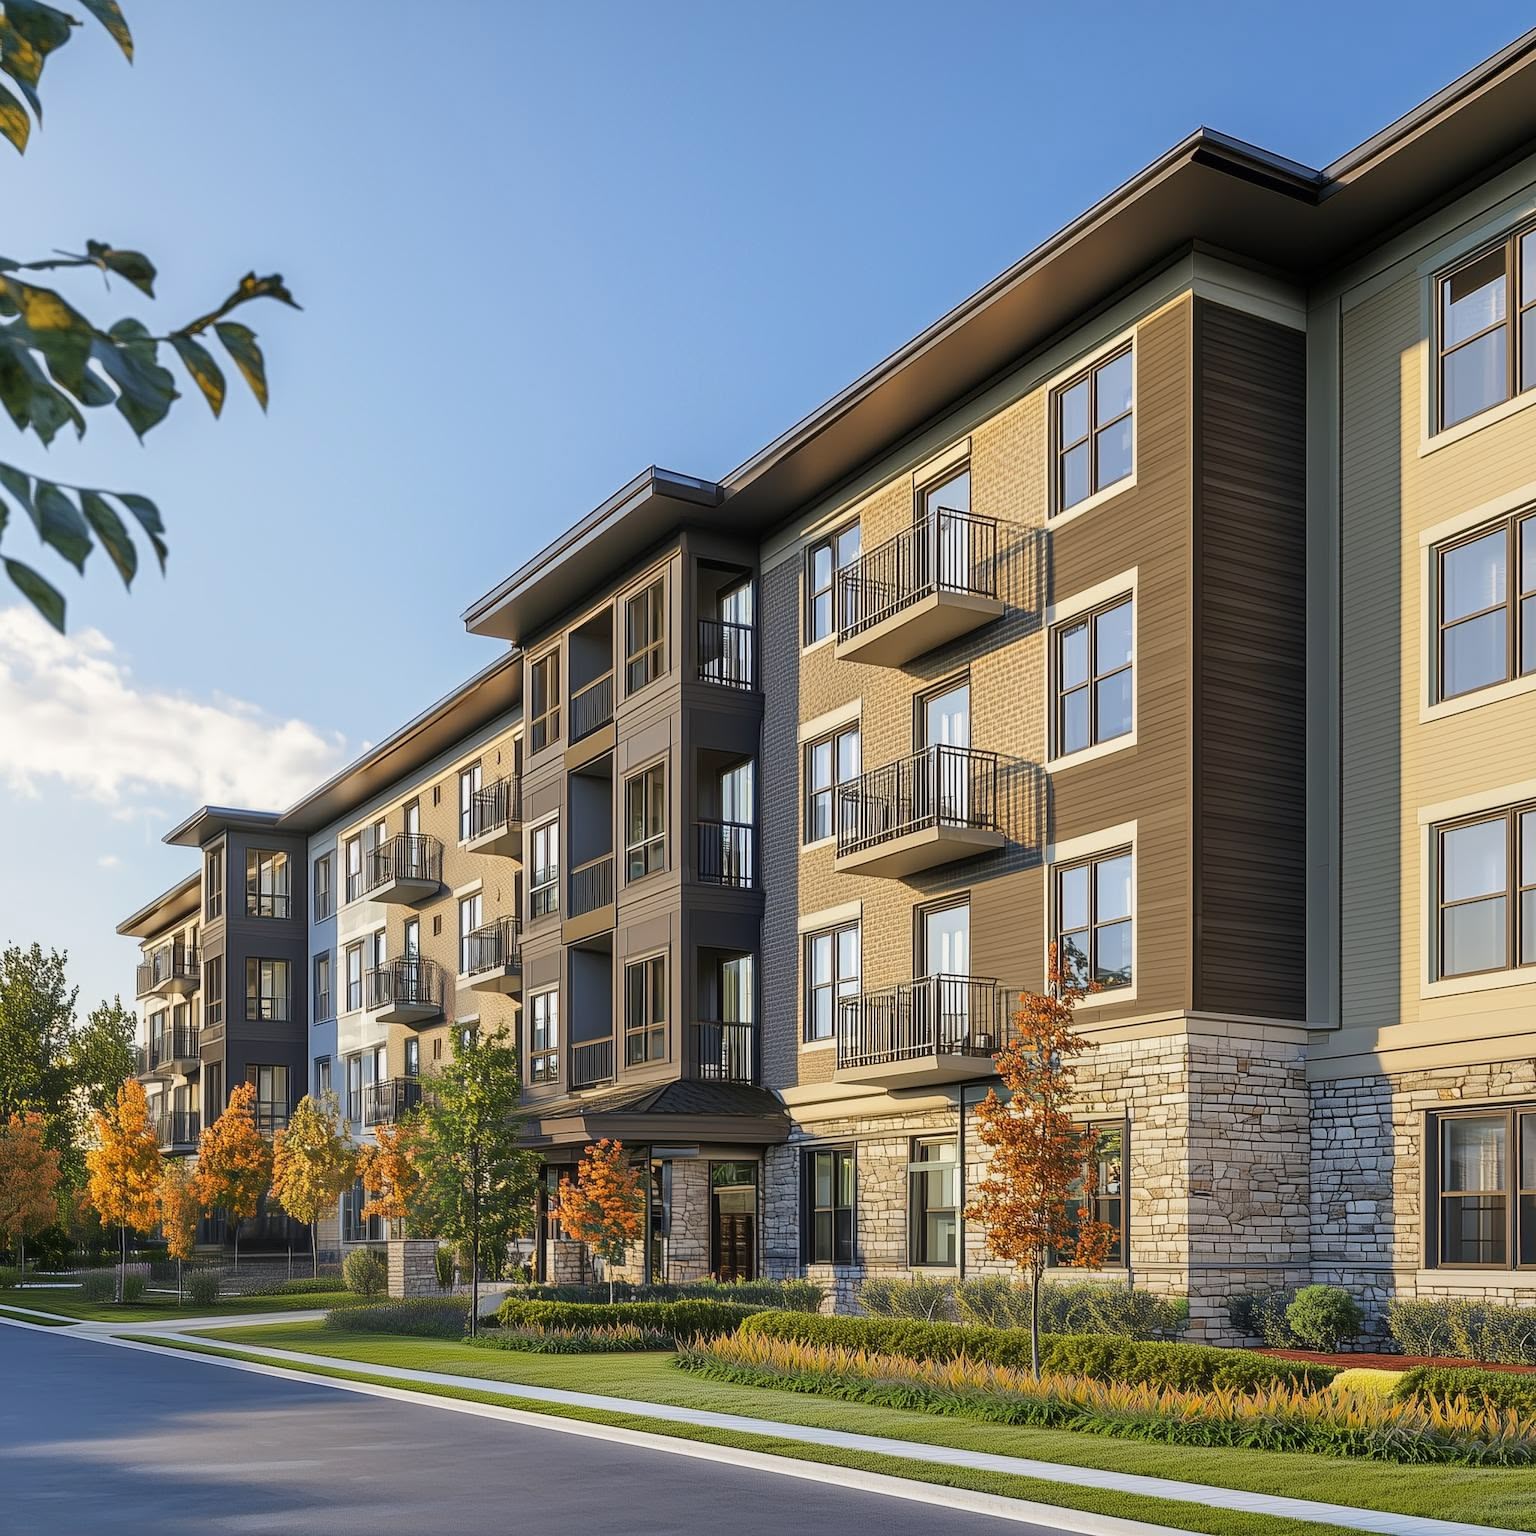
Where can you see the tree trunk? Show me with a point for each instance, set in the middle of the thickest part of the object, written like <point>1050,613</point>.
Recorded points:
<point>474,1245</point>
<point>21,1244</point>
<point>1034,1321</point>
<point>122,1262</point>
<point>178,1283</point>
<point>314,1248</point>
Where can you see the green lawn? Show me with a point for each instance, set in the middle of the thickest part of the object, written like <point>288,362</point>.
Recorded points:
<point>155,1307</point>
<point>1489,1496</point>
<point>42,1322</point>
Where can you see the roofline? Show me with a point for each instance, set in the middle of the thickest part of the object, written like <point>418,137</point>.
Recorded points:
<point>231,815</point>
<point>182,888</point>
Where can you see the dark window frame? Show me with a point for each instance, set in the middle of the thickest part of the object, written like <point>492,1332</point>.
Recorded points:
<point>830,542</point>
<point>1090,862</point>
<point>917,1171</point>
<point>813,793</point>
<point>213,880</point>
<point>1060,448</point>
<point>651,846</point>
<point>213,990</point>
<point>1088,620</point>
<point>1519,590</point>
<point>646,662</point>
<point>273,1007</point>
<point>544,700</point>
<point>544,880</point>
<point>1519,1120</point>
<point>325,889</point>
<point>842,1246</point>
<point>834,987</point>
<point>1517,304</point>
<point>1517,881</point>
<point>323,962</point>
<point>471,776</point>
<point>645,1041</point>
<point>544,1037</point>
<point>275,904</point>
<point>1118,1256</point>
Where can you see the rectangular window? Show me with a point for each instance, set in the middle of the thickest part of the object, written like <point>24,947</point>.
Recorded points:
<point>272,1102</point>
<point>322,1076</point>
<point>831,973</point>
<point>1486,1205</point>
<point>354,853</point>
<point>1094,428</point>
<point>1092,932</point>
<point>266,883</point>
<point>354,977</point>
<point>827,1207</point>
<point>544,876</point>
<point>645,1010</point>
<point>469,787</point>
<point>469,920</point>
<point>213,884</point>
<point>378,952</point>
<point>266,990</point>
<point>322,986</point>
<point>412,1057</point>
<point>410,945</point>
<point>1109,1203</point>
<point>1486,599</point>
<point>544,701</point>
<point>1093,677</point>
<point>1486,893</point>
<point>645,636</point>
<point>831,762</point>
<point>1485,325</point>
<point>324,890</point>
<point>544,1037</point>
<point>823,560</point>
<point>213,990</point>
<point>645,822</point>
<point>933,1202</point>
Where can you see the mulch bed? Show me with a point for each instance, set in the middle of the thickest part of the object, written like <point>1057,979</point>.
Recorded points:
<point>1392,1362</point>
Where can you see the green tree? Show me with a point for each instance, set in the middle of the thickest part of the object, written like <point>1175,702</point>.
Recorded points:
<point>313,1162</point>
<point>477,1184</point>
<point>55,364</point>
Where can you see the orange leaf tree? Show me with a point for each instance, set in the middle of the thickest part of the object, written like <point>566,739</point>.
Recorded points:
<point>29,1181</point>
<point>390,1175</point>
<point>605,1207</point>
<point>1036,1199</point>
<point>179,1212</point>
<point>234,1162</point>
<point>124,1169</point>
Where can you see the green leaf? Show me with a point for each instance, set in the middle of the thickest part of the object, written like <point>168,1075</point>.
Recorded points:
<point>43,596</point>
<point>134,266</point>
<point>29,396</point>
<point>114,535</point>
<point>59,331</point>
<point>110,16</point>
<point>15,125</point>
<point>148,515</point>
<point>60,524</point>
<point>146,390</point>
<point>22,61</point>
<point>44,26</point>
<point>240,342</point>
<point>19,484</point>
<point>206,373</point>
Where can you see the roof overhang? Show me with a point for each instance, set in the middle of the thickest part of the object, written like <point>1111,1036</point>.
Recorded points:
<point>638,1128</point>
<point>166,910</point>
<point>209,821</point>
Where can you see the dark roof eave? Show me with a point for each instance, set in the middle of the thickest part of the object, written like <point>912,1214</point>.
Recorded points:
<point>170,906</point>
<point>209,820</point>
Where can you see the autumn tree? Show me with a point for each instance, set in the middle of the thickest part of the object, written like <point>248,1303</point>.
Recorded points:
<point>179,1213</point>
<point>605,1206</point>
<point>29,1182</point>
<point>234,1162</point>
<point>124,1169</point>
<point>1036,1201</point>
<point>390,1176</point>
<point>313,1161</point>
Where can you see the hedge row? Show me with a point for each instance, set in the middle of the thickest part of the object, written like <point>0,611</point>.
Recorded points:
<point>1470,1330</point>
<point>431,1317</point>
<point>791,1295</point>
<point>1506,1390</point>
<point>676,1319</point>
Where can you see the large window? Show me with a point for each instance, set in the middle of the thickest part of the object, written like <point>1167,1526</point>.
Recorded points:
<point>353,849</point>
<point>1093,921</point>
<point>645,636</point>
<point>322,986</point>
<point>827,1206</point>
<point>325,890</point>
<point>645,1010</point>
<point>1486,1207</point>
<point>469,787</point>
<point>271,1095</point>
<point>266,989</point>
<point>823,560</point>
<point>1108,1202</point>
<point>832,761</point>
<point>831,973</point>
<point>1486,329</point>
<point>544,878</point>
<point>469,920</point>
<point>1486,877</point>
<point>213,883</point>
<point>543,701</point>
<point>1094,420</point>
<point>1486,595</point>
<point>266,883</point>
<point>645,822</point>
<point>213,990</point>
<point>544,1037</point>
<point>1093,676</point>
<point>933,1202</point>
<point>354,979</point>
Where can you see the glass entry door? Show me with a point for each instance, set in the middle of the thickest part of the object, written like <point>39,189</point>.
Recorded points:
<point>947,964</point>
<point>946,722</point>
<point>733,1221</point>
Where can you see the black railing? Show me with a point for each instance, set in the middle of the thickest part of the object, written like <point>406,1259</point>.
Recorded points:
<point>494,947</point>
<point>728,853</point>
<point>727,653</point>
<point>178,1128</point>
<point>270,1116</point>
<point>177,1042</point>
<point>140,1057</point>
<point>496,806</point>
<point>386,1102</point>
<point>176,961</point>
<point>592,706</point>
<point>412,981</point>
<point>936,1016</point>
<point>405,856</point>
<point>592,885</point>
<point>143,979</point>
<point>591,1063</point>
<point>720,1052</point>
<point>937,787</point>
<point>943,551</point>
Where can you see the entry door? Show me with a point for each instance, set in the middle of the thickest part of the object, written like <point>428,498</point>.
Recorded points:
<point>735,604</point>
<point>947,506</point>
<point>947,961</point>
<point>946,723</point>
<point>733,1221</point>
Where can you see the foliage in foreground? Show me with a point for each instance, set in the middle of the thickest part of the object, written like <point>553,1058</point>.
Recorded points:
<point>1490,1389</point>
<point>789,1295</point>
<point>364,1273</point>
<point>673,1319</point>
<point>619,1338</point>
<point>427,1317</point>
<point>994,1301</point>
<point>1467,1330</point>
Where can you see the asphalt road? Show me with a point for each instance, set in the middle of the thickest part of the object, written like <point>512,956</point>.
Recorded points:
<point>99,1439</point>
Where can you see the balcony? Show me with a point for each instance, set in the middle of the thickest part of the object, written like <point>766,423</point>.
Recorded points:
<point>941,1029</point>
<point>496,819</point>
<point>590,908</point>
<point>404,869</point>
<point>728,854</point>
<point>177,1130</point>
<point>174,1049</point>
<point>591,706</point>
<point>932,583</point>
<point>270,1117</point>
<point>591,1063</point>
<point>172,970</point>
<point>385,1102</point>
<point>493,959</point>
<point>722,1052</point>
<point>931,808</point>
<point>727,654</point>
<point>404,991</point>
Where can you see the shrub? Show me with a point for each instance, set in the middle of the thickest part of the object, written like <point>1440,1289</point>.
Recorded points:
<point>10,1278</point>
<point>202,1287</point>
<point>1364,1381</point>
<point>364,1272</point>
<point>100,1286</point>
<point>431,1317</point>
<point>790,1295</point>
<point>443,1263</point>
<point>995,1301</point>
<point>1464,1329</point>
<point>581,1341</point>
<point>675,1319</point>
<point>1101,1356</point>
<point>1262,1315</point>
<point>133,1288</point>
<point>923,1297</point>
<point>1507,1390</point>
<point>1324,1317</point>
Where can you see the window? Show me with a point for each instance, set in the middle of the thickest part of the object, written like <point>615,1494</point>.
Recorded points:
<point>645,1010</point>
<point>823,560</point>
<point>645,822</point>
<point>413,1057</point>
<point>544,881</point>
<point>831,973</point>
<point>933,1202</point>
<point>1093,677</point>
<point>469,920</point>
<point>213,884</point>
<point>543,701</point>
<point>322,1076</point>
<point>322,986</point>
<point>213,990</point>
<point>1486,870</point>
<point>324,890</point>
<point>1094,417</point>
<point>544,1037</point>
<point>469,787</point>
<point>1486,329</point>
<point>833,761</point>
<point>1093,921</point>
<point>354,977</point>
<point>266,883</point>
<point>827,1213</point>
<point>1108,1203</point>
<point>354,852</point>
<point>1486,1205</point>
<point>1486,592</point>
<point>266,989</point>
<point>645,637</point>
<point>410,945</point>
<point>378,953</point>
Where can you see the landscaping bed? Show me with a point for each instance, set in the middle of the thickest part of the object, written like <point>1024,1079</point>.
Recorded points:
<point>1385,1362</point>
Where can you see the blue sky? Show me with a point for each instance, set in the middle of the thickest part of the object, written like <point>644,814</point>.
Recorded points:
<point>539,247</point>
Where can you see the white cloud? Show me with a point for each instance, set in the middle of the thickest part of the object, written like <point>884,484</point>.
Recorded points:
<point>108,861</point>
<point>71,711</point>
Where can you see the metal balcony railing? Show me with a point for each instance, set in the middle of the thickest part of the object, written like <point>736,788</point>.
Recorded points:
<point>177,1128</point>
<point>385,1102</point>
<point>727,653</point>
<point>411,981</point>
<point>592,885</point>
<point>943,551</point>
<point>176,1042</point>
<point>496,806</point>
<point>176,961</point>
<point>728,853</point>
<point>934,1016</point>
<point>722,1052</point>
<point>591,1063</point>
<point>143,979</point>
<point>405,856</point>
<point>270,1116</point>
<point>937,787</point>
<point>591,706</point>
<point>492,947</point>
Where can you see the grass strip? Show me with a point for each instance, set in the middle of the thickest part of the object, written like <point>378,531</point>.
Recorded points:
<point>23,1316</point>
<point>154,1309</point>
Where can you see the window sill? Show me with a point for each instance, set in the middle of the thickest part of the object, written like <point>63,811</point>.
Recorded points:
<point>1487,1276</point>
<point>1487,981</point>
<point>1092,754</point>
<point>820,842</point>
<point>1473,424</point>
<point>1495,693</point>
<point>816,645</point>
<point>1094,502</point>
<point>817,1045</point>
<point>1107,999</point>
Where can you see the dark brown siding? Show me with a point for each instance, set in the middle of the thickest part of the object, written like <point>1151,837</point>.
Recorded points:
<point>1250,665</point>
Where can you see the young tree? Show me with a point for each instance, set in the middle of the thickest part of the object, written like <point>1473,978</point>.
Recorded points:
<point>390,1175</point>
<point>234,1162</point>
<point>179,1212</point>
<point>1036,1198</point>
<point>29,1182</point>
<point>313,1161</point>
<point>605,1207</point>
<point>124,1169</point>
<point>477,1183</point>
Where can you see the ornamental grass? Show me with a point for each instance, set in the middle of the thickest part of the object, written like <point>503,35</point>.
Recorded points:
<point>1271,1418</point>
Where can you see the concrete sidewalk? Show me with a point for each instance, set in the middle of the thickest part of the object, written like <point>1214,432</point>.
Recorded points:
<point>170,1325</point>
